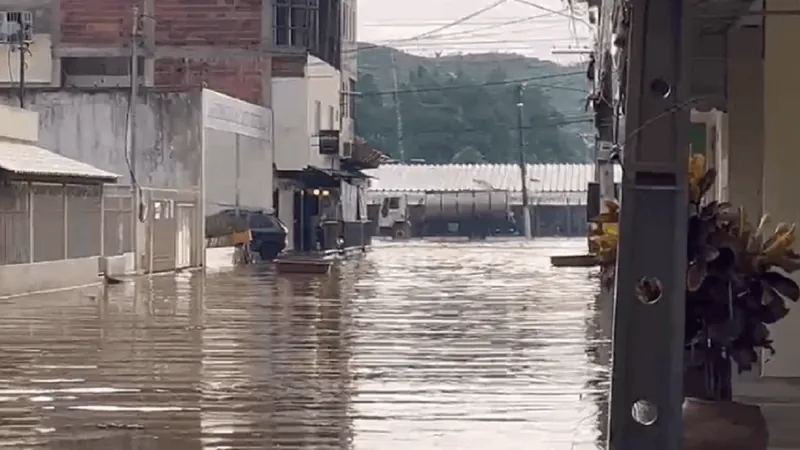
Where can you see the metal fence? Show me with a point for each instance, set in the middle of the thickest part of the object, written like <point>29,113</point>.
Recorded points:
<point>48,222</point>
<point>117,220</point>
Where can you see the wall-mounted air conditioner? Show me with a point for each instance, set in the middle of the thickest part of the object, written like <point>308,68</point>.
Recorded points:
<point>347,150</point>
<point>11,22</point>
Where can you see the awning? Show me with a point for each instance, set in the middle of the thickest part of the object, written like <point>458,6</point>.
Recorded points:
<point>315,177</point>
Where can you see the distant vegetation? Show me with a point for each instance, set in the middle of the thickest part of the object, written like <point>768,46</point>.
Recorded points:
<point>462,108</point>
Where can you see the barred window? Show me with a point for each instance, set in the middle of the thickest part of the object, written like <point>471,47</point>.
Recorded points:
<point>295,23</point>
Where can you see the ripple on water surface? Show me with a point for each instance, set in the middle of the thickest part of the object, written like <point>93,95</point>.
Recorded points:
<point>420,345</point>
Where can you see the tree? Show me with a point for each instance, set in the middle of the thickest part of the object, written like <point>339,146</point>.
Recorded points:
<point>449,116</point>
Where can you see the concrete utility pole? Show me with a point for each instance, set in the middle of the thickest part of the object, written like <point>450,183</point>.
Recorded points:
<point>22,47</point>
<point>649,313</point>
<point>398,112</point>
<point>523,167</point>
<point>136,192</point>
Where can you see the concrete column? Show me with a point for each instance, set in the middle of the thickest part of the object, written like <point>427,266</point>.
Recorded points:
<point>745,127</point>
<point>781,157</point>
<point>286,211</point>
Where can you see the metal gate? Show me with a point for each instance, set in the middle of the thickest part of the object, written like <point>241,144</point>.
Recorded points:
<point>161,236</point>
<point>183,241</point>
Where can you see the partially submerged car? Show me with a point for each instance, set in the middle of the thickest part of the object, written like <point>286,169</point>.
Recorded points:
<point>268,234</point>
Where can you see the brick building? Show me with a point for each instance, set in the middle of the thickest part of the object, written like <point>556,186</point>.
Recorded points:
<point>223,45</point>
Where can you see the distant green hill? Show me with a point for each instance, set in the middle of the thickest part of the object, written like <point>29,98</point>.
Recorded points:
<point>553,105</point>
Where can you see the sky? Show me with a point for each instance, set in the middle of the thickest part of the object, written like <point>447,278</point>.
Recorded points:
<point>513,26</point>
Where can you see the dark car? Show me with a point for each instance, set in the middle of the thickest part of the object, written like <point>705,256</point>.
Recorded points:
<point>269,234</point>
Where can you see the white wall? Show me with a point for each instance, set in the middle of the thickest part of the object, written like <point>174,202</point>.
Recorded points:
<point>91,127</point>
<point>349,39</point>
<point>349,63</point>
<point>19,124</point>
<point>236,132</point>
<point>295,103</point>
<point>38,62</point>
<point>290,103</point>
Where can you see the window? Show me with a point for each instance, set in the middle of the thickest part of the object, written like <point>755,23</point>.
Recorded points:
<point>295,23</point>
<point>353,27</point>
<point>394,203</point>
<point>346,21</point>
<point>331,118</point>
<point>351,99</point>
<point>317,117</point>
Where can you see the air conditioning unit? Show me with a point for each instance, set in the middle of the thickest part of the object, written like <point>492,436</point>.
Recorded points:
<point>347,150</point>
<point>10,23</point>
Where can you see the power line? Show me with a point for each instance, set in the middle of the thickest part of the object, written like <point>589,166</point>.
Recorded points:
<point>477,26</point>
<point>464,33</point>
<point>569,15</point>
<point>476,40</point>
<point>466,86</point>
<point>446,26</point>
<point>559,123</point>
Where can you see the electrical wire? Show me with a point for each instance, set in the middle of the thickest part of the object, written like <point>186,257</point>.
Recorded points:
<point>492,26</point>
<point>476,85</point>
<point>452,24</point>
<point>560,123</point>
<point>469,40</point>
<point>562,13</point>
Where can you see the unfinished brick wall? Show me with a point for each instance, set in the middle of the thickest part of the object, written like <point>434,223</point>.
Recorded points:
<point>237,78</point>
<point>96,23</point>
<point>223,24</point>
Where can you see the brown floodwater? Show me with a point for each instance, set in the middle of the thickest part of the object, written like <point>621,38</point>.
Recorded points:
<point>446,346</point>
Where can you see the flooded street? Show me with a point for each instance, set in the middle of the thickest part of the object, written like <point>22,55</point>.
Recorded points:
<point>414,346</point>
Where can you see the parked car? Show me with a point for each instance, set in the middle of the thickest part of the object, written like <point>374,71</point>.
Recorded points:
<point>269,234</point>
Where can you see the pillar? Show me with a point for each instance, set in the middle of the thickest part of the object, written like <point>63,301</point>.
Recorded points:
<point>781,157</point>
<point>286,211</point>
<point>745,122</point>
<point>648,344</point>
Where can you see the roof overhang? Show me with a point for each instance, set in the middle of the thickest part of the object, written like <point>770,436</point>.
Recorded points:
<point>25,161</point>
<point>316,177</point>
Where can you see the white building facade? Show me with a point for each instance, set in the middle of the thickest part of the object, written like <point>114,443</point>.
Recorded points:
<point>320,193</point>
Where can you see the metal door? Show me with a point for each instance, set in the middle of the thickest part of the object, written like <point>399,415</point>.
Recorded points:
<point>183,243</point>
<point>162,234</point>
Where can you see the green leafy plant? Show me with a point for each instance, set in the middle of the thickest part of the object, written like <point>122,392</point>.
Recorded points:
<point>737,284</point>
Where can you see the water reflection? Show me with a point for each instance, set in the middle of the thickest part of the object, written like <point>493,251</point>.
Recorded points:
<point>467,346</point>
<point>445,346</point>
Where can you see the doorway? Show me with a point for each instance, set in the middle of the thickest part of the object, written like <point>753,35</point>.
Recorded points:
<point>306,215</point>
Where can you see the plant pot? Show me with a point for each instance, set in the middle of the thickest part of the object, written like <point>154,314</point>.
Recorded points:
<point>723,425</point>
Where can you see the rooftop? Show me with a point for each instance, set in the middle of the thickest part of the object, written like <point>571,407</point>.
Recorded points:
<point>26,159</point>
<point>483,177</point>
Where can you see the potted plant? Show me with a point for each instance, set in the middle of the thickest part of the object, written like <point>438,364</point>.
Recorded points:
<point>736,285</point>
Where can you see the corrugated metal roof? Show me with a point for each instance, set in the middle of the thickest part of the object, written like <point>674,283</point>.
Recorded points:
<point>28,159</point>
<point>482,177</point>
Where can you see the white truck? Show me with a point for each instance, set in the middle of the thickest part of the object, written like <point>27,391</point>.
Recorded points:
<point>476,214</point>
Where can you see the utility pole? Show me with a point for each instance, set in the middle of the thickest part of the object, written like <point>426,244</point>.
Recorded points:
<point>396,98</point>
<point>649,309</point>
<point>523,167</point>
<point>23,48</point>
<point>134,96</point>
